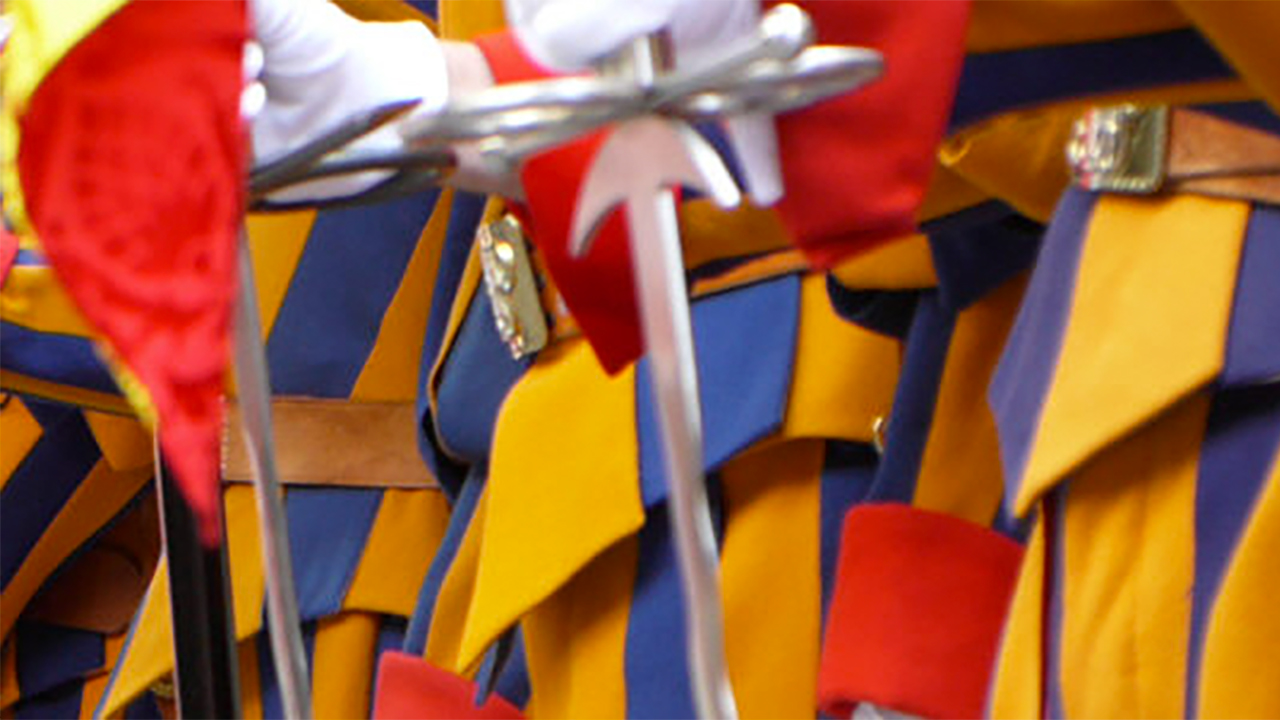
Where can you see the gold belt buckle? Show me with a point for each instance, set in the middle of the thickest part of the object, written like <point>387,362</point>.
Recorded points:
<point>1120,149</point>
<point>512,287</point>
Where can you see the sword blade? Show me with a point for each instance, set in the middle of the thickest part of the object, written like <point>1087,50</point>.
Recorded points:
<point>668,335</point>
<point>254,388</point>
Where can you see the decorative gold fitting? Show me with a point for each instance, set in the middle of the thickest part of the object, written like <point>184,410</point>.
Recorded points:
<point>1120,149</point>
<point>879,426</point>
<point>511,286</point>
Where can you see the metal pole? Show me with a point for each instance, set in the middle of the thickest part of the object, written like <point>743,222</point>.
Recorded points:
<point>254,388</point>
<point>206,675</point>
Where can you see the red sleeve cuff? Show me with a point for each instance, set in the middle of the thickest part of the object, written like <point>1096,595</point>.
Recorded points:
<point>918,610</point>
<point>410,688</point>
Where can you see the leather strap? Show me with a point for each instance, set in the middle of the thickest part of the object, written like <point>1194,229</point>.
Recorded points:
<point>334,442</point>
<point>1210,156</point>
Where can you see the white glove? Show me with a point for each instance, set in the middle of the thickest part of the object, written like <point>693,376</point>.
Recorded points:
<point>569,35</point>
<point>323,66</point>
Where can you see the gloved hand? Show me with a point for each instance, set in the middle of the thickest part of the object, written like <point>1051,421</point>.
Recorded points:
<point>568,35</point>
<point>322,66</point>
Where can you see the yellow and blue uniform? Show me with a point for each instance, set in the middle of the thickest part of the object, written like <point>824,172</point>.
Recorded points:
<point>1132,401</point>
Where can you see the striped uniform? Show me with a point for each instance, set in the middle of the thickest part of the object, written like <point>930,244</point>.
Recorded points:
<point>1135,419</point>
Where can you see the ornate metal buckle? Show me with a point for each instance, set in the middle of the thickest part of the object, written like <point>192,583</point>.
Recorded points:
<point>512,287</point>
<point>1120,149</point>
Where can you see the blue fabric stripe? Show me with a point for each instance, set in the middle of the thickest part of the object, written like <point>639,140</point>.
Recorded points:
<point>464,218</point>
<point>1239,446</point>
<point>61,703</point>
<point>42,483</point>
<point>348,274</point>
<point>474,382</point>
<point>848,470</point>
<point>513,683</point>
<point>1253,338</point>
<point>880,311</point>
<point>914,402</point>
<point>51,655</point>
<point>30,258</point>
<point>328,530</point>
<point>1252,113</point>
<point>464,508</point>
<point>1024,376</point>
<point>60,359</point>
<point>996,82</point>
<point>972,262</point>
<point>745,343</point>
<point>657,671</point>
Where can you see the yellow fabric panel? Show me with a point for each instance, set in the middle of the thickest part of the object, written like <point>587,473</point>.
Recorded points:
<point>773,586</point>
<point>9,672</point>
<point>1148,265</point>
<point>1016,681</point>
<point>33,299</point>
<point>1244,32</point>
<point>244,556</point>
<point>250,680</point>
<point>1238,667</point>
<point>576,640</point>
<point>398,552</point>
<point>709,233</point>
<point>844,375</point>
<point>464,19</point>
<point>901,265</point>
<point>556,500</point>
<point>391,371</point>
<point>998,25</point>
<point>124,443</point>
<point>344,657</point>
<point>19,432</point>
<point>149,656</point>
<point>276,242</point>
<point>101,495</point>
<point>960,473</point>
<point>43,32</point>
<point>449,617</point>
<point>948,193</point>
<point>1128,567</point>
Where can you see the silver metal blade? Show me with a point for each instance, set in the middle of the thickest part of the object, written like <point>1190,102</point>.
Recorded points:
<point>668,335</point>
<point>253,385</point>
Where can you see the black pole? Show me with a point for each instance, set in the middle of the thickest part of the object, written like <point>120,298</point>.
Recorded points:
<point>206,676</point>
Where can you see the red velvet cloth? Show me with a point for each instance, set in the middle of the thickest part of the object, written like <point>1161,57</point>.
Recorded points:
<point>410,688</point>
<point>919,606</point>
<point>131,164</point>
<point>855,168</point>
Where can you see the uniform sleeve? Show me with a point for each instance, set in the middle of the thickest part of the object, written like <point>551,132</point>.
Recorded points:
<point>855,167</point>
<point>1244,32</point>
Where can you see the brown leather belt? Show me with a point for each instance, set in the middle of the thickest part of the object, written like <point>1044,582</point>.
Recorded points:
<point>334,443</point>
<point>1128,149</point>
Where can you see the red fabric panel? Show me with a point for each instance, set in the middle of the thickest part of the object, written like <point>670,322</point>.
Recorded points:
<point>8,253</point>
<point>132,167</point>
<point>599,289</point>
<point>410,688</point>
<point>856,168</point>
<point>919,605</point>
